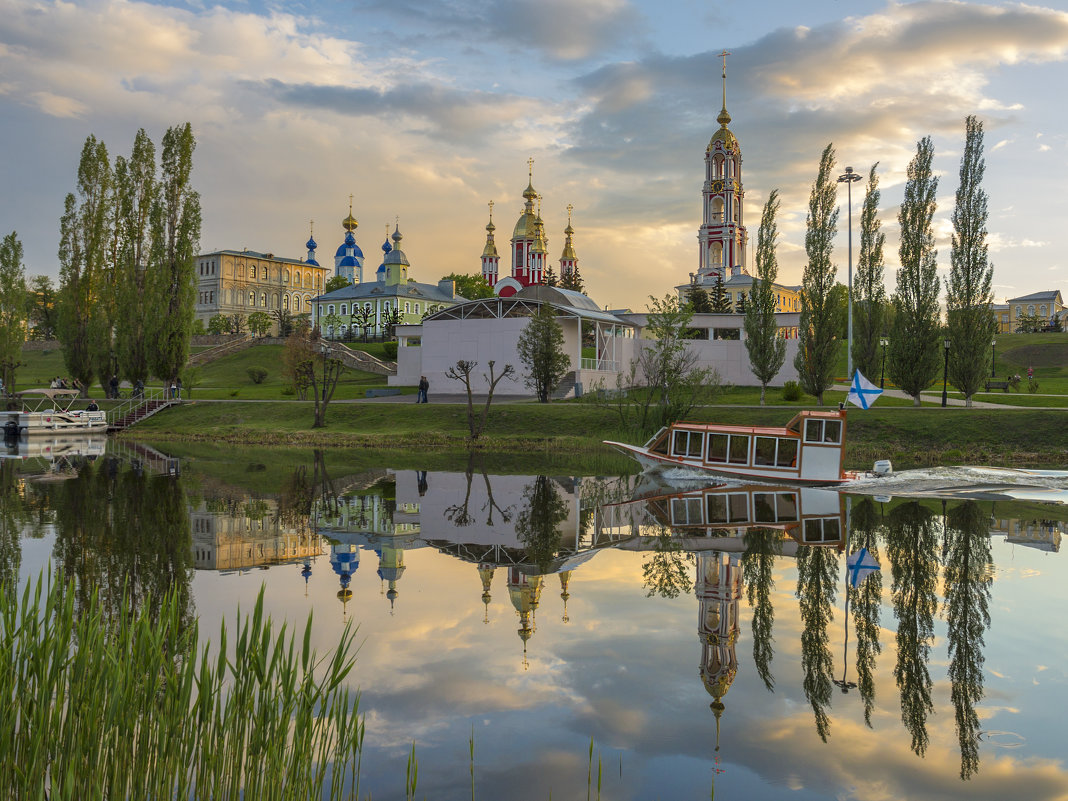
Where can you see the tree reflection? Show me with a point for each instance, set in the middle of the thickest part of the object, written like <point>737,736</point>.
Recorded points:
<point>12,514</point>
<point>968,573</point>
<point>762,546</point>
<point>537,524</point>
<point>667,571</point>
<point>912,546</point>
<point>817,572</point>
<point>865,600</point>
<point>125,535</point>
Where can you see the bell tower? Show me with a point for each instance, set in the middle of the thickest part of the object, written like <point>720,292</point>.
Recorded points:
<point>722,236</point>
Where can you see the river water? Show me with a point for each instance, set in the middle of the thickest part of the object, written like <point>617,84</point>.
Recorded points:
<point>696,638</point>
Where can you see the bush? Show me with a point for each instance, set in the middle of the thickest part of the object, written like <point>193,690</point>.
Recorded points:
<point>256,374</point>
<point>1032,385</point>
<point>791,391</point>
<point>288,390</point>
<point>389,350</point>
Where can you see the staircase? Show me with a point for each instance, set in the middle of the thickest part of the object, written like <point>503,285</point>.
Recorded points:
<point>225,349</point>
<point>360,360</point>
<point>137,409</point>
<point>566,387</point>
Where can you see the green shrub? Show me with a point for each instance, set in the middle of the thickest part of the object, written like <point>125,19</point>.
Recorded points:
<point>235,393</point>
<point>791,391</point>
<point>389,350</point>
<point>256,374</point>
<point>288,390</point>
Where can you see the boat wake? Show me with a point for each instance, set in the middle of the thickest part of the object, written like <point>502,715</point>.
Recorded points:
<point>975,482</point>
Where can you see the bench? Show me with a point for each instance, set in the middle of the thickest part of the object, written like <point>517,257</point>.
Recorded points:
<point>1002,385</point>
<point>381,393</point>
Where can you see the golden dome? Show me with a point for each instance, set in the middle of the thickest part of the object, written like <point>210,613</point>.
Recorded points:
<point>719,682</point>
<point>724,135</point>
<point>526,226</point>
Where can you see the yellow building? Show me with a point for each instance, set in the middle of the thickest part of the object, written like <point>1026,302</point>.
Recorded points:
<point>1043,305</point>
<point>241,282</point>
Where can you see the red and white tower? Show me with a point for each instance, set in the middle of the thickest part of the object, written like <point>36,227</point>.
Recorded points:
<point>722,236</point>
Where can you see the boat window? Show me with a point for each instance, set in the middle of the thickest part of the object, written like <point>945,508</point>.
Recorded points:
<point>739,450</point>
<point>764,507</point>
<point>731,508</point>
<point>786,506</point>
<point>787,453</point>
<point>688,443</point>
<point>820,530</point>
<point>832,430</point>
<point>686,511</point>
<point>813,431</point>
<point>660,444</point>
<point>717,447</point>
<point>764,452</point>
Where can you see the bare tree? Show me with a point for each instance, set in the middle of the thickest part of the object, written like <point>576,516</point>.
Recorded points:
<point>462,371</point>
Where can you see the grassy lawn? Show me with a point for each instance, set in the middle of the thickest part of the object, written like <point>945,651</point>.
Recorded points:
<point>909,436</point>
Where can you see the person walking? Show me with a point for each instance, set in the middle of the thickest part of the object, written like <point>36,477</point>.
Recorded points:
<point>424,385</point>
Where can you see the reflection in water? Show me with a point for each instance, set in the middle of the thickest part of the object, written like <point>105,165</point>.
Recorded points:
<point>866,601</point>
<point>817,573</point>
<point>762,547</point>
<point>968,574</point>
<point>912,546</point>
<point>118,528</point>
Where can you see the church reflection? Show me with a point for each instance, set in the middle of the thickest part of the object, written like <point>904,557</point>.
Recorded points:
<point>124,524</point>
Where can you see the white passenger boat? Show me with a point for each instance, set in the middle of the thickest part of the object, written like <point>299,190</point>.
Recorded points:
<point>46,411</point>
<point>810,449</point>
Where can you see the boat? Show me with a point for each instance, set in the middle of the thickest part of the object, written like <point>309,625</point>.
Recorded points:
<point>46,411</point>
<point>809,450</point>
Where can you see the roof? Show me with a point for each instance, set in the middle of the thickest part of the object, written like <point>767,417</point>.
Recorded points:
<point>525,303</point>
<point>254,254</point>
<point>373,289</point>
<point>1050,294</point>
<point>49,393</point>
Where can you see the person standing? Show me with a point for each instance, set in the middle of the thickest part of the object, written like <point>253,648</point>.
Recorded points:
<point>424,385</point>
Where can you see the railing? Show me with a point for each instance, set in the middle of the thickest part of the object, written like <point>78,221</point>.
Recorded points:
<point>123,409</point>
<point>605,365</point>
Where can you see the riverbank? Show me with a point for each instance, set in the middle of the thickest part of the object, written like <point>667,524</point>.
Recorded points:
<point>909,436</point>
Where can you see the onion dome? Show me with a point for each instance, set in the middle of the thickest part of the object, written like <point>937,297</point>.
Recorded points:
<point>396,255</point>
<point>525,226</point>
<point>349,223</point>
<point>490,251</point>
<point>311,244</point>
<point>724,135</point>
<point>569,248</point>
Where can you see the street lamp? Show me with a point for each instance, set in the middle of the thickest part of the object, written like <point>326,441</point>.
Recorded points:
<point>325,350</point>
<point>945,372</point>
<point>882,370</point>
<point>993,343</point>
<point>848,178</point>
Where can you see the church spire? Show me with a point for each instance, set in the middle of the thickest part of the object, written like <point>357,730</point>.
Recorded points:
<point>724,117</point>
<point>490,258</point>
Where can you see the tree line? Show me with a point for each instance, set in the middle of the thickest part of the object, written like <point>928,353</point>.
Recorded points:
<point>128,240</point>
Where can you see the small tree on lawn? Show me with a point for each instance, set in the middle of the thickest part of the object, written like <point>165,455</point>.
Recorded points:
<point>259,323</point>
<point>390,320</point>
<point>361,320</point>
<point>541,350</point>
<point>462,372</point>
<point>284,318</point>
<point>219,324</point>
<point>237,323</point>
<point>767,350</point>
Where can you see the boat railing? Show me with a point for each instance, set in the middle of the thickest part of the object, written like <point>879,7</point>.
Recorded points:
<point>125,408</point>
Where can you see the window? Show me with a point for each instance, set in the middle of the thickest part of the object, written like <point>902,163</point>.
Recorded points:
<point>764,452</point>
<point>285,277</point>
<point>252,272</point>
<point>344,309</point>
<point>787,453</point>
<point>824,529</point>
<point>296,303</point>
<point>730,508</point>
<point>296,276</point>
<point>417,308</point>
<point>823,431</point>
<point>729,448</point>
<point>407,307</point>
<point>264,273</point>
<point>211,297</point>
<point>251,298</point>
<point>330,309</point>
<point>688,443</point>
<point>285,302</point>
<point>686,511</point>
<point>263,300</point>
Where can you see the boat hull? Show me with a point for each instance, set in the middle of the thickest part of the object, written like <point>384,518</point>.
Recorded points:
<point>49,423</point>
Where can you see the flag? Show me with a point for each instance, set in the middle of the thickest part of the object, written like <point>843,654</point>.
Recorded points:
<point>863,393</point>
<point>860,565</point>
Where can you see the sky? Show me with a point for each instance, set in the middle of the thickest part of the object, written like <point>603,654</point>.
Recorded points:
<point>425,110</point>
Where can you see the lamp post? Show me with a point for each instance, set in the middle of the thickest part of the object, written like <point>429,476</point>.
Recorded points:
<point>882,370</point>
<point>945,372</point>
<point>325,350</point>
<point>993,344</point>
<point>848,178</point>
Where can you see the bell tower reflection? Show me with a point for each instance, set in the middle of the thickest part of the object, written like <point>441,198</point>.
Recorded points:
<point>719,588</point>
<point>525,593</point>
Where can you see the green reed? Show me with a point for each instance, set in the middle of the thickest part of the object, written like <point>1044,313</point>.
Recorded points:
<point>123,707</point>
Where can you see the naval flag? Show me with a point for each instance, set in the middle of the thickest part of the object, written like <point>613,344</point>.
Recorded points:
<point>863,393</point>
<point>860,566</point>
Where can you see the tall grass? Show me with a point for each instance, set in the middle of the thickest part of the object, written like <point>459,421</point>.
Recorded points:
<point>93,707</point>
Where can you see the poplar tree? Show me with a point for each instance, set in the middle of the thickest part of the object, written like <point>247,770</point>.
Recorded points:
<point>175,236</point>
<point>869,294</point>
<point>914,352</point>
<point>767,350</point>
<point>969,296</point>
<point>136,190</point>
<point>820,322</point>
<point>84,232</point>
<point>12,309</point>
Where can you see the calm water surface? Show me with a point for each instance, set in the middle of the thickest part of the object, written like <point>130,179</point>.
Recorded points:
<point>700,640</point>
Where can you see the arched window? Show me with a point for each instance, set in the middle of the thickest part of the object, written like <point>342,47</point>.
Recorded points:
<point>717,209</point>
<point>285,279</point>
<point>265,273</point>
<point>344,309</point>
<point>296,303</point>
<point>285,302</point>
<point>263,300</point>
<point>330,309</point>
<point>1042,310</point>
<point>1019,311</point>
<point>717,166</point>
<point>367,306</point>
<point>252,272</point>
<point>296,277</point>
<point>1031,309</point>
